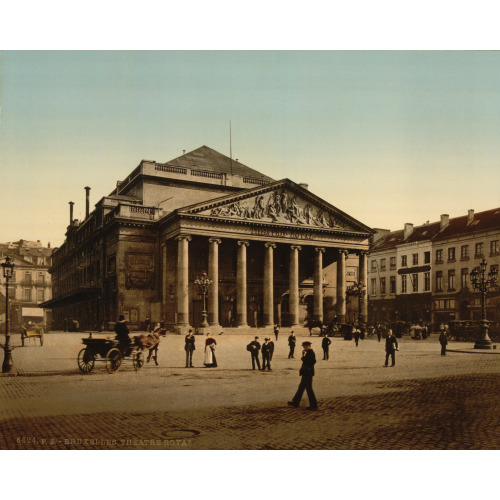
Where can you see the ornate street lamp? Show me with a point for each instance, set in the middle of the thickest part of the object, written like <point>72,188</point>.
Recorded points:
<point>357,290</point>
<point>203,282</point>
<point>8,270</point>
<point>482,282</point>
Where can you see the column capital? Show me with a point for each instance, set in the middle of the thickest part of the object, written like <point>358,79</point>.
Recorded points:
<point>183,237</point>
<point>295,247</point>
<point>362,253</point>
<point>319,249</point>
<point>215,240</point>
<point>270,244</point>
<point>343,251</point>
<point>243,243</point>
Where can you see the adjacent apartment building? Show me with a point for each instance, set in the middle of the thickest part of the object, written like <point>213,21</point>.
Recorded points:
<point>422,273</point>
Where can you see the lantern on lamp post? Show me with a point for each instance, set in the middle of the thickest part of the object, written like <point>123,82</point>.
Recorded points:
<point>481,282</point>
<point>203,282</point>
<point>357,290</point>
<point>8,271</point>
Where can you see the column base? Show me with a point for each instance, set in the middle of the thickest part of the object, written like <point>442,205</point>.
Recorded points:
<point>483,344</point>
<point>182,329</point>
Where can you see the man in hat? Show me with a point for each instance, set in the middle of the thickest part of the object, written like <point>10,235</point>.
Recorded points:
<point>291,342</point>
<point>254,348</point>
<point>266,355</point>
<point>307,374</point>
<point>122,332</point>
<point>189,348</point>
<point>391,346</point>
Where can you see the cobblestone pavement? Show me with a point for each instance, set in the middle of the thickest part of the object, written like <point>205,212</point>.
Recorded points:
<point>425,402</point>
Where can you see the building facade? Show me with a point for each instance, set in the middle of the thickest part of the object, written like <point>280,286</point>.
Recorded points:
<point>275,252</point>
<point>31,283</point>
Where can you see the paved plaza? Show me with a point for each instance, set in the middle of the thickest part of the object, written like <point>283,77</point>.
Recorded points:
<point>425,402</point>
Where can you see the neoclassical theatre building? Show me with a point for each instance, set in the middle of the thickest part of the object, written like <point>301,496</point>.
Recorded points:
<point>275,252</point>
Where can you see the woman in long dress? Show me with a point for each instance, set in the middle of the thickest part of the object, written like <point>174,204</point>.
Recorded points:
<point>210,361</point>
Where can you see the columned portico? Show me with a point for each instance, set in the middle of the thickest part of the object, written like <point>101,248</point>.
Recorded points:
<point>293,296</point>
<point>341,286</point>
<point>241,285</point>
<point>213,274</point>
<point>363,300</point>
<point>163,280</point>
<point>268,285</point>
<point>183,283</point>
<point>318,284</point>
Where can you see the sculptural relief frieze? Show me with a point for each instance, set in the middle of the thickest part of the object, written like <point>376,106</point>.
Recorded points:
<point>280,207</point>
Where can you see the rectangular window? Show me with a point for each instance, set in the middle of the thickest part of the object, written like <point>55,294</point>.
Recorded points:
<point>393,262</point>
<point>463,278</point>
<point>41,279</point>
<point>451,279</point>
<point>382,264</point>
<point>27,278</point>
<point>40,295</point>
<point>451,254</point>
<point>382,286</point>
<point>464,252</point>
<point>404,262</point>
<point>393,284</point>
<point>494,248</point>
<point>439,256</point>
<point>27,294</point>
<point>427,257</point>
<point>427,282</point>
<point>403,283</point>
<point>374,266</point>
<point>479,250</point>
<point>415,259</point>
<point>414,282</point>
<point>374,286</point>
<point>439,281</point>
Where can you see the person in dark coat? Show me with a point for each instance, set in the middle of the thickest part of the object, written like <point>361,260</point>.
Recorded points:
<point>189,348</point>
<point>292,340</point>
<point>325,344</point>
<point>307,374</point>
<point>356,334</point>
<point>276,331</point>
<point>266,355</point>
<point>391,346</point>
<point>254,348</point>
<point>271,350</point>
<point>122,332</point>
<point>443,340</point>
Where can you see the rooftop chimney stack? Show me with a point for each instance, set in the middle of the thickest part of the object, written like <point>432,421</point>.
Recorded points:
<point>445,220</point>
<point>87,202</point>
<point>408,230</point>
<point>470,217</point>
<point>71,212</point>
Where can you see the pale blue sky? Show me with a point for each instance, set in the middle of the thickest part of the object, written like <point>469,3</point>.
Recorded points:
<point>388,137</point>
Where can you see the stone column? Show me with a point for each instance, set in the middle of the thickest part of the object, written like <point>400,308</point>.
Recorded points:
<point>318,284</point>
<point>293,296</point>
<point>213,274</point>
<point>268,285</point>
<point>341,288</point>
<point>363,281</point>
<point>241,285</point>
<point>164,291</point>
<point>183,284</point>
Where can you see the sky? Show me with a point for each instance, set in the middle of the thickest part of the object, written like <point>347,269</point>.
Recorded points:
<point>387,136</point>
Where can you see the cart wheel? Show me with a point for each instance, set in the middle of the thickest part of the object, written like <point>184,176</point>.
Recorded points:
<point>86,360</point>
<point>113,360</point>
<point>138,360</point>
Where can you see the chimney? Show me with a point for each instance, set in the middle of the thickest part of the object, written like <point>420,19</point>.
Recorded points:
<point>304,185</point>
<point>48,244</point>
<point>470,216</point>
<point>71,212</point>
<point>408,230</point>
<point>87,194</point>
<point>445,220</point>
<point>379,233</point>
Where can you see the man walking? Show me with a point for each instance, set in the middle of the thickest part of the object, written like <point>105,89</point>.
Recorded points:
<point>291,342</point>
<point>189,348</point>
<point>254,348</point>
<point>443,340</point>
<point>307,374</point>
<point>391,346</point>
<point>325,344</point>
<point>266,355</point>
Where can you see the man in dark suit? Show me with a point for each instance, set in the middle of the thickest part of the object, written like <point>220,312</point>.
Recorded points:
<point>266,355</point>
<point>189,348</point>
<point>325,344</point>
<point>391,346</point>
<point>307,374</point>
<point>443,340</point>
<point>122,332</point>
<point>254,348</point>
<point>291,342</point>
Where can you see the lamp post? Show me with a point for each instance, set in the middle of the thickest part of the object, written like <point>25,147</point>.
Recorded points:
<point>203,282</point>
<point>8,365</point>
<point>481,282</point>
<point>357,290</point>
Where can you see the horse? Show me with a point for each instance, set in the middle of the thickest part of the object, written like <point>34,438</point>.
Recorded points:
<point>150,341</point>
<point>313,323</point>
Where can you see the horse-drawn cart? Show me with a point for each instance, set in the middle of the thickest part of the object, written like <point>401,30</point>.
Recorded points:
<point>108,351</point>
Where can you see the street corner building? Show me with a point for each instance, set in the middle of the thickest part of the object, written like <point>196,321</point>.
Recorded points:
<point>274,251</point>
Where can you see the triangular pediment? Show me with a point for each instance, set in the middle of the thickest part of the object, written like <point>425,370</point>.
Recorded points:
<point>283,203</point>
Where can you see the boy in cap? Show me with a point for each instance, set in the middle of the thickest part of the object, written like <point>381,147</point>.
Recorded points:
<point>307,373</point>
<point>266,355</point>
